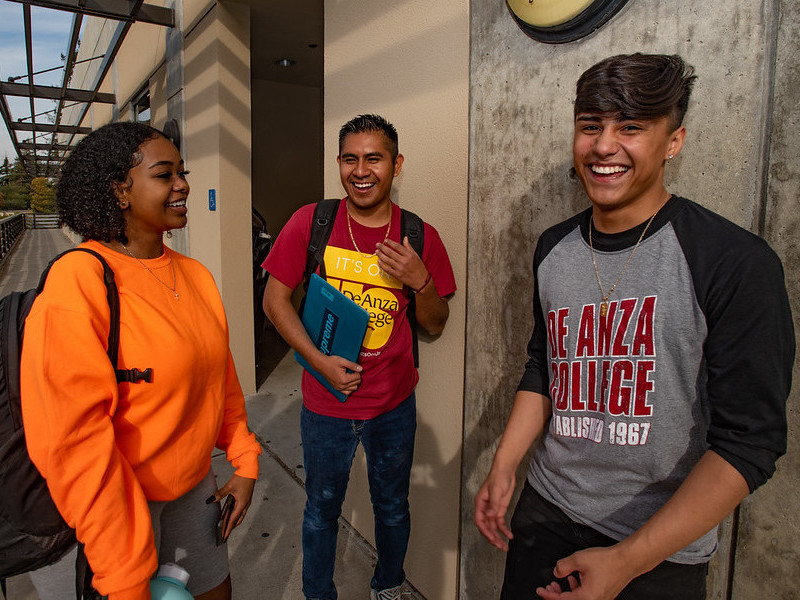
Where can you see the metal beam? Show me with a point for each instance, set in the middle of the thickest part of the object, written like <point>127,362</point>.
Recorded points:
<point>49,92</point>
<point>125,12</point>
<point>40,161</point>
<point>26,13</point>
<point>111,53</point>
<point>46,147</point>
<point>6,114</point>
<point>69,129</point>
<point>118,10</point>
<point>72,54</point>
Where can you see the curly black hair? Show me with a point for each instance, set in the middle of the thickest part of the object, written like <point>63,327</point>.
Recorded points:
<point>637,86</point>
<point>85,195</point>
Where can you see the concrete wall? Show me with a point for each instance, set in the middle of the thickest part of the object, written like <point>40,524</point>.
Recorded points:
<point>409,62</point>
<point>768,549</point>
<point>739,160</point>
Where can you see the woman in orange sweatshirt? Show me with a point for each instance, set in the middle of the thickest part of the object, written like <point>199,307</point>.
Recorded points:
<point>129,465</point>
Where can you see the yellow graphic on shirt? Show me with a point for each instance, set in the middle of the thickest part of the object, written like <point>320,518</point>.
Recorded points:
<point>350,271</point>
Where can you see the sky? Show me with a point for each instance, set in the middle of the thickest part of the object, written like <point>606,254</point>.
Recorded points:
<point>50,35</point>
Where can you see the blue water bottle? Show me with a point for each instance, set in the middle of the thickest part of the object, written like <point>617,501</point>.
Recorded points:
<point>170,583</point>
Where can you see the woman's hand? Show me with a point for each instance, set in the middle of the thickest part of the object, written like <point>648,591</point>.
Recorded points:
<point>241,488</point>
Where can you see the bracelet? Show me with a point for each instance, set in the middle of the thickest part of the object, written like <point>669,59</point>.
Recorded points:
<point>422,287</point>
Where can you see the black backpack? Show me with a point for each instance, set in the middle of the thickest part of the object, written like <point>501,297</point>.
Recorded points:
<point>411,226</point>
<point>32,532</point>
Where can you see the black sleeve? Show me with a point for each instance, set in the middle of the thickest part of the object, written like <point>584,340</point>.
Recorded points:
<point>535,378</point>
<point>750,346</point>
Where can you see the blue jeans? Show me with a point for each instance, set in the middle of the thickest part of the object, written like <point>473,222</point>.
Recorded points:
<point>329,445</point>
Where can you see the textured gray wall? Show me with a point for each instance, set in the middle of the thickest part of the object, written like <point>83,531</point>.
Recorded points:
<point>740,160</point>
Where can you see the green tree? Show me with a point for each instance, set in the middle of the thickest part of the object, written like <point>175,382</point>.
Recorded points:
<point>15,186</point>
<point>5,172</point>
<point>43,197</point>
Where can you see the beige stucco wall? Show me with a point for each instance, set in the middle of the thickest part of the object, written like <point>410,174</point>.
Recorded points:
<point>409,62</point>
<point>141,54</point>
<point>216,133</point>
<point>217,109</point>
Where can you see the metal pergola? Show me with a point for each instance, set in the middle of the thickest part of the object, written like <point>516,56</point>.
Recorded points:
<point>42,153</point>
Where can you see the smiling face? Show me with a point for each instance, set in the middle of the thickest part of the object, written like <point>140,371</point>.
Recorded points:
<point>621,165</point>
<point>367,169</point>
<point>153,197</point>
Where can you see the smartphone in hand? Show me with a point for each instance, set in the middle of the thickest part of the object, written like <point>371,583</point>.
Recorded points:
<point>224,518</point>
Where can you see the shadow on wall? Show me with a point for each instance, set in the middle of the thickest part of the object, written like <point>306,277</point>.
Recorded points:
<point>498,331</point>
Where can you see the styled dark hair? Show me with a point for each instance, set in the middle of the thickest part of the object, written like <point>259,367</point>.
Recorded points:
<point>637,86</point>
<point>363,123</point>
<point>87,202</point>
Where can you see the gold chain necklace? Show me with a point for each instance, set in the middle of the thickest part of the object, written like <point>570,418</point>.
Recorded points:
<point>353,239</point>
<point>149,270</point>
<point>604,304</point>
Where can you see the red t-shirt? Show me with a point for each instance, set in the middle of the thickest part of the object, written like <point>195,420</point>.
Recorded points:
<point>389,375</point>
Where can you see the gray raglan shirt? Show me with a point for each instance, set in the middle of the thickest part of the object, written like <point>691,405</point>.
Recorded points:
<point>695,353</point>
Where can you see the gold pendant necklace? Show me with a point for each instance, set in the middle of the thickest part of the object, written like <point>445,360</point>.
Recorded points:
<point>604,304</point>
<point>149,270</point>
<point>353,239</point>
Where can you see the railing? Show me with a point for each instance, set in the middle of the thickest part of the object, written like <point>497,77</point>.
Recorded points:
<point>41,220</point>
<point>11,229</point>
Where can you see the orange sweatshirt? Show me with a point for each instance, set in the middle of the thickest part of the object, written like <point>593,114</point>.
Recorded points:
<point>106,449</point>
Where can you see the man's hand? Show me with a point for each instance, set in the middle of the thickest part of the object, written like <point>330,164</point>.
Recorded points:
<point>491,505</point>
<point>602,575</point>
<point>529,416</point>
<point>402,262</point>
<point>343,375</point>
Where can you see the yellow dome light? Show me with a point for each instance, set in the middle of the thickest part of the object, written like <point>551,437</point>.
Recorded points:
<point>559,21</point>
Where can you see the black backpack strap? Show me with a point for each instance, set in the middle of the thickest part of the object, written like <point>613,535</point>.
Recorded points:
<point>83,578</point>
<point>112,295</point>
<point>321,227</point>
<point>413,227</point>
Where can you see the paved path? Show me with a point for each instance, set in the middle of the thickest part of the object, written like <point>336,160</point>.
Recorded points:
<point>22,267</point>
<point>265,552</point>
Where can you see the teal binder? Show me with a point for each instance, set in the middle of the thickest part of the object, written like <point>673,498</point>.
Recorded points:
<point>335,324</point>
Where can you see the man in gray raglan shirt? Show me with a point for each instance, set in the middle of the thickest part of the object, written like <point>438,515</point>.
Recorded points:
<point>658,371</point>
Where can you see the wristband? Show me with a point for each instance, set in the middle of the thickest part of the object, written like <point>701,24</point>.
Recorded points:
<point>422,287</point>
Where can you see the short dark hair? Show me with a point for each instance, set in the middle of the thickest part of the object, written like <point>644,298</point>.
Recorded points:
<point>637,86</point>
<point>85,193</point>
<point>363,123</point>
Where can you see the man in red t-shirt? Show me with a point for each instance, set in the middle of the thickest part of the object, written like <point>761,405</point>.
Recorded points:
<point>365,259</point>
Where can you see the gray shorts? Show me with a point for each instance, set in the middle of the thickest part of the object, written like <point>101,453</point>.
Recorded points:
<point>185,534</point>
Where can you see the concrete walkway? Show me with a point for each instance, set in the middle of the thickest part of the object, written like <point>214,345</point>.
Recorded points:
<point>21,268</point>
<point>265,552</point>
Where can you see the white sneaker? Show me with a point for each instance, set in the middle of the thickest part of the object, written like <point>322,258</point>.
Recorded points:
<point>387,594</point>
